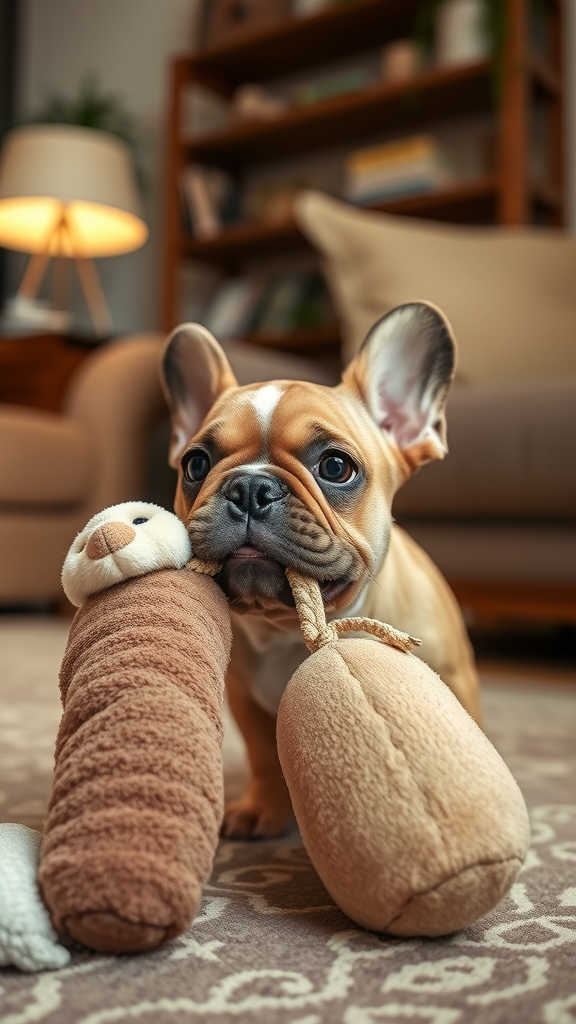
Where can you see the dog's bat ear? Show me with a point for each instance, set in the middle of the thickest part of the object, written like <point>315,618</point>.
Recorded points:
<point>403,373</point>
<point>194,371</point>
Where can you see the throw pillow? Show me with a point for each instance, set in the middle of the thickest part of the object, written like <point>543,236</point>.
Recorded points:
<point>510,293</point>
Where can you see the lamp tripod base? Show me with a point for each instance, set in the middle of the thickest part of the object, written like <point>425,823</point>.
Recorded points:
<point>87,275</point>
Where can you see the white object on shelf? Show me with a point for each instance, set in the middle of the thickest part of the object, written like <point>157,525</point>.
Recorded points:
<point>460,34</point>
<point>253,103</point>
<point>21,313</point>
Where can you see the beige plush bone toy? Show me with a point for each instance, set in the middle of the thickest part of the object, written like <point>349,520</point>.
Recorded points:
<point>408,813</point>
<point>137,798</point>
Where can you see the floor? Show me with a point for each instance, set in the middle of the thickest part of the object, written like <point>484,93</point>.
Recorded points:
<point>269,946</point>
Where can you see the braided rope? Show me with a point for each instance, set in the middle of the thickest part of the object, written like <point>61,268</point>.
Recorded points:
<point>381,630</point>
<point>317,632</point>
<point>310,607</point>
<point>205,568</point>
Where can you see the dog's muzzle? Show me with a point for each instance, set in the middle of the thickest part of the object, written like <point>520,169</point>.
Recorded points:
<point>256,527</point>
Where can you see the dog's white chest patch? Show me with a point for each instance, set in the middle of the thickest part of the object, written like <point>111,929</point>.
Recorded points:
<point>268,658</point>
<point>265,400</point>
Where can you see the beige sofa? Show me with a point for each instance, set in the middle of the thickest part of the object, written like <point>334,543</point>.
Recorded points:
<point>499,514</point>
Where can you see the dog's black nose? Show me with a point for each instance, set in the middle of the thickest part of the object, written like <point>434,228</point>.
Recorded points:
<point>252,494</point>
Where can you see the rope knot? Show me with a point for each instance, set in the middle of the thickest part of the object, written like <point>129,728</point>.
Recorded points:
<point>317,632</point>
<point>327,635</point>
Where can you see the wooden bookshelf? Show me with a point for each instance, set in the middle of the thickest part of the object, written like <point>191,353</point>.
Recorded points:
<point>506,196</point>
<point>433,96</point>
<point>239,242</point>
<point>297,44</point>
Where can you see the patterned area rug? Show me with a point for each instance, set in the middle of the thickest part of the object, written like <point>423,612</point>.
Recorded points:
<point>269,946</point>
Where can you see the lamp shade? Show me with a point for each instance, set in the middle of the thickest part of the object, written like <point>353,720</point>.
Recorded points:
<point>51,173</point>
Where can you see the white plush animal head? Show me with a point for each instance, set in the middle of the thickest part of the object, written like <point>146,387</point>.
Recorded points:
<point>121,542</point>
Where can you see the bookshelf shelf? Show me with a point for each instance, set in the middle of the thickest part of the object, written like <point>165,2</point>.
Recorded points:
<point>506,196</point>
<point>465,202</point>
<point>296,44</point>
<point>240,242</point>
<point>433,95</point>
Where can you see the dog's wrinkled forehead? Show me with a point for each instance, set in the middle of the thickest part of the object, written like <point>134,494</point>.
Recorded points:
<point>285,416</point>
<point>242,418</point>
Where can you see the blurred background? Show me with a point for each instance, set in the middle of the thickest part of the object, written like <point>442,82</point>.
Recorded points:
<point>191,159</point>
<point>53,47</point>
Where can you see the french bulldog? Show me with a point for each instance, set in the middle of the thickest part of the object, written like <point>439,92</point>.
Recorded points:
<point>297,475</point>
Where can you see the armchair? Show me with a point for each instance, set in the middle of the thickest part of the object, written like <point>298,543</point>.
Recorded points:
<point>56,471</point>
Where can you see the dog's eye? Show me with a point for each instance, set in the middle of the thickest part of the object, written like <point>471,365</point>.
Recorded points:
<point>139,521</point>
<point>336,467</point>
<point>196,465</point>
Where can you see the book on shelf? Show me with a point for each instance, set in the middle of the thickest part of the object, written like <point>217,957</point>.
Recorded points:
<point>231,310</point>
<point>394,169</point>
<point>278,305</point>
<point>209,200</point>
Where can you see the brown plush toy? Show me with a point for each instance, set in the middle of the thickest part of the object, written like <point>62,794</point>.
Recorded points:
<point>137,798</point>
<point>408,813</point>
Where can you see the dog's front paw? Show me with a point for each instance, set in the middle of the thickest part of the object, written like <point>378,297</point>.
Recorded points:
<point>256,816</point>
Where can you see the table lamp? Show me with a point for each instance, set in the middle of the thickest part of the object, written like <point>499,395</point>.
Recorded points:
<point>69,192</point>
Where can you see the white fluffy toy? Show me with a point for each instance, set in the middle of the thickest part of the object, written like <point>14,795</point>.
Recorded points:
<point>121,542</point>
<point>117,544</point>
<point>27,938</point>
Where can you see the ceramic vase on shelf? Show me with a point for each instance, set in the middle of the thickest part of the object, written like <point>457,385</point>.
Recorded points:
<point>460,33</point>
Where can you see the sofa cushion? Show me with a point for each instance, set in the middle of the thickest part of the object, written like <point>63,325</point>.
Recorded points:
<point>509,293</point>
<point>511,455</point>
<point>499,552</point>
<point>45,459</point>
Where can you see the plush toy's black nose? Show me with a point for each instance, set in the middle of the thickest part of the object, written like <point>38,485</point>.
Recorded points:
<point>253,494</point>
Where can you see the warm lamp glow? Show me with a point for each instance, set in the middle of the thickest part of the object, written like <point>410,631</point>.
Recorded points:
<point>68,191</point>
<point>52,175</point>
<point>29,225</point>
